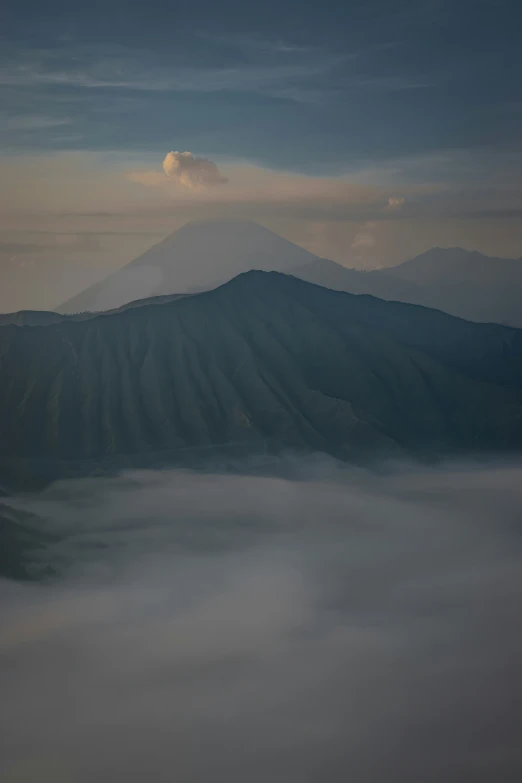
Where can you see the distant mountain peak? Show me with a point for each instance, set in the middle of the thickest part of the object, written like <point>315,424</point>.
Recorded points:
<point>200,255</point>
<point>454,252</point>
<point>218,222</point>
<point>462,282</point>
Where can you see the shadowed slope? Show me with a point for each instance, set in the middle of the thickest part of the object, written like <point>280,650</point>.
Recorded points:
<point>264,359</point>
<point>462,283</point>
<point>46,317</point>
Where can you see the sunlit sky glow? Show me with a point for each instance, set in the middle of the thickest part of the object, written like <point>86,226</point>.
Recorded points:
<point>366,131</point>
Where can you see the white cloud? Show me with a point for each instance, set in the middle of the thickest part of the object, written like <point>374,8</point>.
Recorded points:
<point>192,172</point>
<point>265,633</point>
<point>254,192</point>
<point>30,122</point>
<point>364,238</point>
<point>274,69</point>
<point>395,203</point>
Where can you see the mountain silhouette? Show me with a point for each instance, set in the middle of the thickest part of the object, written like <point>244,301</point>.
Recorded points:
<point>265,361</point>
<point>46,317</point>
<point>204,254</point>
<point>460,282</point>
<point>199,256</point>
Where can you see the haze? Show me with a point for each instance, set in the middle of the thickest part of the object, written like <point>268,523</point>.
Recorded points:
<point>365,132</point>
<point>304,624</point>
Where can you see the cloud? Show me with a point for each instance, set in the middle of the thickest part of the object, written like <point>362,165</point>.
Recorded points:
<point>191,171</point>
<point>363,238</point>
<point>363,242</point>
<point>318,623</point>
<point>395,203</point>
<point>298,74</point>
<point>122,194</point>
<point>30,122</point>
<point>76,243</point>
<point>254,192</point>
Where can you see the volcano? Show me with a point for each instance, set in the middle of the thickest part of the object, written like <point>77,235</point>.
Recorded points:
<point>264,363</point>
<point>198,256</point>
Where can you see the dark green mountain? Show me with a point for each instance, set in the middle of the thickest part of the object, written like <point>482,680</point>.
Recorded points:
<point>266,361</point>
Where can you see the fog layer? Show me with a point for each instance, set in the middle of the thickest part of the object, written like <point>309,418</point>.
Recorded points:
<point>333,626</point>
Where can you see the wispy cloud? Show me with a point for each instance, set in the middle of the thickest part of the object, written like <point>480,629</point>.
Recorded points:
<point>29,122</point>
<point>119,67</point>
<point>253,191</point>
<point>264,46</point>
<point>278,69</point>
<point>70,243</point>
<point>395,203</point>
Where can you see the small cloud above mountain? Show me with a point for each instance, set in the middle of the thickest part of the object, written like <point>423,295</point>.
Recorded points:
<point>395,203</point>
<point>364,238</point>
<point>192,172</point>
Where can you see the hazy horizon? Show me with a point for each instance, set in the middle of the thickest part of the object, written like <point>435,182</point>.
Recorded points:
<point>40,300</point>
<point>365,132</point>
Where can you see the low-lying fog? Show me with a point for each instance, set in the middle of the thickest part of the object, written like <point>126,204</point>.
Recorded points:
<point>337,626</point>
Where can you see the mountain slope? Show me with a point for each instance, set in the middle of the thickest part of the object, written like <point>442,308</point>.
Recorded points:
<point>46,317</point>
<point>30,318</point>
<point>21,536</point>
<point>203,254</point>
<point>198,256</point>
<point>462,283</point>
<point>456,265</point>
<point>263,361</point>
<point>356,281</point>
<point>467,283</point>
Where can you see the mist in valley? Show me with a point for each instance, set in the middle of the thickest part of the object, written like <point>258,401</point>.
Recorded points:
<point>314,623</point>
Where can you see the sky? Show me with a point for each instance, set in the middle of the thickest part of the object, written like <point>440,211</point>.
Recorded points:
<point>367,131</point>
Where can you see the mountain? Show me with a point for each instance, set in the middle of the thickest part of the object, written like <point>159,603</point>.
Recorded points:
<point>460,282</point>
<point>265,361</point>
<point>467,283</point>
<point>456,265</point>
<point>204,254</point>
<point>30,318</point>
<point>44,317</point>
<point>21,536</point>
<point>377,283</point>
<point>198,256</point>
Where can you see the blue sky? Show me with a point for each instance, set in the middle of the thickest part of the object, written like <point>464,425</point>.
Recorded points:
<point>420,101</point>
<point>314,87</point>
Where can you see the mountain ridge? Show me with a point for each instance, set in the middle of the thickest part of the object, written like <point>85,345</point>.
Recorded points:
<point>263,361</point>
<point>203,254</point>
<point>186,259</point>
<point>47,317</point>
<point>448,279</point>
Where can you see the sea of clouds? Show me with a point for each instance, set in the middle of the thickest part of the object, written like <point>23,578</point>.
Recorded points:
<point>323,624</point>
